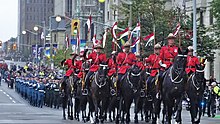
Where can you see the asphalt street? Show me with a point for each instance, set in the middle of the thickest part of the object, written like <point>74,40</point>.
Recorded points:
<point>15,110</point>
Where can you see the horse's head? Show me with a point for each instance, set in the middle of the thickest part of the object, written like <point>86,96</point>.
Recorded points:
<point>103,71</point>
<point>180,60</point>
<point>134,77</point>
<point>199,74</point>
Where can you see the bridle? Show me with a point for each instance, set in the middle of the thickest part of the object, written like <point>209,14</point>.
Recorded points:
<point>129,81</point>
<point>178,73</point>
<point>96,76</point>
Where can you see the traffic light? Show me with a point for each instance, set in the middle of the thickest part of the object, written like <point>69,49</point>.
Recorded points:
<point>14,46</point>
<point>0,43</point>
<point>75,27</point>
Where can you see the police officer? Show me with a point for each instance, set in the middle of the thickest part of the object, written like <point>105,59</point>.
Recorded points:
<point>97,57</point>
<point>192,61</point>
<point>124,60</point>
<point>154,61</point>
<point>211,101</point>
<point>169,52</point>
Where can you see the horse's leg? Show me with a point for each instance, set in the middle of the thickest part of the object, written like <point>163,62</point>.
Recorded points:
<point>136,101</point>
<point>200,113</point>
<point>71,108</point>
<point>64,106</point>
<point>179,110</point>
<point>169,114</point>
<point>193,111</point>
<point>119,108</point>
<point>164,112</point>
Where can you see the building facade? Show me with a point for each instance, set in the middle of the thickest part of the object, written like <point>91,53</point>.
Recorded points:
<point>31,13</point>
<point>205,17</point>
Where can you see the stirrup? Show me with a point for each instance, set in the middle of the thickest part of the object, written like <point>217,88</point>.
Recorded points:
<point>113,92</point>
<point>142,93</point>
<point>85,92</point>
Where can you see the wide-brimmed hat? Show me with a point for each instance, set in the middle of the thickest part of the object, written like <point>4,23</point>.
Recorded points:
<point>113,52</point>
<point>157,46</point>
<point>127,44</point>
<point>98,47</point>
<point>171,36</point>
<point>190,48</point>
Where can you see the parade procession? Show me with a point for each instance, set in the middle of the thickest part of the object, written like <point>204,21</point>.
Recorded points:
<point>112,61</point>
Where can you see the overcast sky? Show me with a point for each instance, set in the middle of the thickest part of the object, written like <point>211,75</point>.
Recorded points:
<point>9,17</point>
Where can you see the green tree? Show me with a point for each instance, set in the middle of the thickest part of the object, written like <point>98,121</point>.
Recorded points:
<point>148,13</point>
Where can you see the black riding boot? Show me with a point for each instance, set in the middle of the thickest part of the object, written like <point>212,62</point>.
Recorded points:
<point>87,82</point>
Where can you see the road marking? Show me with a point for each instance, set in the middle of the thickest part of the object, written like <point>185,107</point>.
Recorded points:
<point>8,96</point>
<point>11,104</point>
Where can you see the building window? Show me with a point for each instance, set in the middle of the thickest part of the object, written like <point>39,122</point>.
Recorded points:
<point>28,1</point>
<point>114,15</point>
<point>108,15</point>
<point>201,17</point>
<point>211,17</point>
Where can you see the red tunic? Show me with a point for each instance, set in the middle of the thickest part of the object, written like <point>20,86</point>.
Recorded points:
<point>167,54</point>
<point>112,66</point>
<point>79,67</point>
<point>125,60</point>
<point>96,60</point>
<point>140,65</point>
<point>192,61</point>
<point>153,60</point>
<point>71,67</point>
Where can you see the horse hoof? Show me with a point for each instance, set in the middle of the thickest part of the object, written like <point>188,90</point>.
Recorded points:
<point>64,118</point>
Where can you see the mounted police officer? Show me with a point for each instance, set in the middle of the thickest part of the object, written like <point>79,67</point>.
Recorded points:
<point>169,52</point>
<point>124,60</point>
<point>96,58</point>
<point>155,65</point>
<point>70,64</point>
<point>192,61</point>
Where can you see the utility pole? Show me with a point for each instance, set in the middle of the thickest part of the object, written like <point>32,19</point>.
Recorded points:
<point>194,29</point>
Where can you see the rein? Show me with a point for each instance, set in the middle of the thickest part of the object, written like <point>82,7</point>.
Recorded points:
<point>193,82</point>
<point>129,82</point>
<point>175,79</point>
<point>96,82</point>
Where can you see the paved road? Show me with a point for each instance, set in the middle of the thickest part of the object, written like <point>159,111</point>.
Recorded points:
<point>15,110</point>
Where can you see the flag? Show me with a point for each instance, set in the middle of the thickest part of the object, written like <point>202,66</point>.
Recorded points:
<point>136,42</point>
<point>114,27</point>
<point>177,29</point>
<point>42,36</point>
<point>89,22</point>
<point>104,38</point>
<point>123,33</point>
<point>113,41</point>
<point>149,37</point>
<point>67,40</point>
<point>137,28</point>
<point>95,41</point>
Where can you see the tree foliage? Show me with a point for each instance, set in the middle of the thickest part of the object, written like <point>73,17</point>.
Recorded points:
<point>148,13</point>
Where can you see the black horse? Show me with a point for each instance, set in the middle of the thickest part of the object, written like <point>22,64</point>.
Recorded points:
<point>173,87</point>
<point>66,90</point>
<point>195,89</point>
<point>130,90</point>
<point>100,92</point>
<point>154,99</point>
<point>113,100</point>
